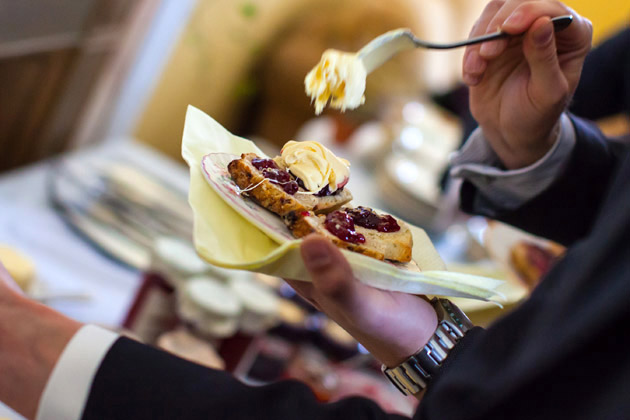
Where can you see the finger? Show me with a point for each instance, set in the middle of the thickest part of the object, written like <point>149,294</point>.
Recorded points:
<point>549,86</point>
<point>491,49</point>
<point>473,64</point>
<point>479,28</point>
<point>474,68</point>
<point>516,18</point>
<point>330,272</point>
<point>575,39</point>
<point>521,18</point>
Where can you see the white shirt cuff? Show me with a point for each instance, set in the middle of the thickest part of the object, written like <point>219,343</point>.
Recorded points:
<point>68,387</point>
<point>509,189</point>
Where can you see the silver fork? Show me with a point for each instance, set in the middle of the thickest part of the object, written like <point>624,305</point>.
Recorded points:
<point>385,46</point>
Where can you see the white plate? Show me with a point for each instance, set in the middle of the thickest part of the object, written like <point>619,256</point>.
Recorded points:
<point>215,171</point>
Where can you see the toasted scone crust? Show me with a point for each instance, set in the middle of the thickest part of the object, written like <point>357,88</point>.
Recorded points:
<point>313,224</point>
<point>273,197</point>
<point>269,195</point>
<point>395,246</point>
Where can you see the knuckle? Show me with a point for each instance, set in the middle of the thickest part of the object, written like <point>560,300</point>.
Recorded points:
<point>528,7</point>
<point>488,14</point>
<point>493,6</point>
<point>589,30</point>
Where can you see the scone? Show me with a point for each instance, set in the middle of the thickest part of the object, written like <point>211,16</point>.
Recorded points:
<point>305,186</point>
<point>359,230</point>
<point>274,187</point>
<point>532,261</point>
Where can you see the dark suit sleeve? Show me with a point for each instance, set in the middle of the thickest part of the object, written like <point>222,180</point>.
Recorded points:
<point>557,356</point>
<point>566,210</point>
<point>604,88</point>
<point>138,382</point>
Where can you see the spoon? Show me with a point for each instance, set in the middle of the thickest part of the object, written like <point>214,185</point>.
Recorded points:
<point>385,46</point>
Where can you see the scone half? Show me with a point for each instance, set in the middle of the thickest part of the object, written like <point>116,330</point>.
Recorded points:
<point>278,196</point>
<point>394,246</point>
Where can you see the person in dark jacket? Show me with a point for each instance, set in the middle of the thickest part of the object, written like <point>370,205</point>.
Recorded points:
<point>561,354</point>
<point>604,88</point>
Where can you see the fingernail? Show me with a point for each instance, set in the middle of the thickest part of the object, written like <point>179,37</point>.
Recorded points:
<point>471,80</point>
<point>543,35</point>
<point>316,255</point>
<point>514,19</point>
<point>472,63</point>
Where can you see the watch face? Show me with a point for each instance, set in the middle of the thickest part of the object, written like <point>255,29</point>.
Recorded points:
<point>453,314</point>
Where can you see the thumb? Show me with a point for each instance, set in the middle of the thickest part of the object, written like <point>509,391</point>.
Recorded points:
<point>548,84</point>
<point>330,272</point>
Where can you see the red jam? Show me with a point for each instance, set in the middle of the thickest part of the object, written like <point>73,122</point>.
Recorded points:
<point>276,175</point>
<point>324,192</point>
<point>367,218</point>
<point>261,164</point>
<point>340,224</point>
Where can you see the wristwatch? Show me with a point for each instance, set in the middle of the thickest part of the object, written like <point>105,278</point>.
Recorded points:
<point>414,374</point>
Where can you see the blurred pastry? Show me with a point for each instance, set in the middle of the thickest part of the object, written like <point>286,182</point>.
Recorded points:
<point>532,261</point>
<point>19,266</point>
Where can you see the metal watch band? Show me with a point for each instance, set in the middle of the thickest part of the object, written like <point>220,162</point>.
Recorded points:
<point>414,374</point>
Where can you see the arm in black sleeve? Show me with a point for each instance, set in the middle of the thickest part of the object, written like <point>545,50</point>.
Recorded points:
<point>136,381</point>
<point>560,354</point>
<point>604,88</point>
<point>565,211</point>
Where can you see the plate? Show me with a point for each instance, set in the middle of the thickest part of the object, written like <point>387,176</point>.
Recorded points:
<point>215,171</point>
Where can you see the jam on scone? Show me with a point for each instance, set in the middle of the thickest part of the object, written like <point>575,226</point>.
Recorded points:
<point>277,189</point>
<point>361,230</point>
<point>305,186</point>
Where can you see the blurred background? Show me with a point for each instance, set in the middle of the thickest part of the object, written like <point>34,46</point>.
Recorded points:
<point>94,219</point>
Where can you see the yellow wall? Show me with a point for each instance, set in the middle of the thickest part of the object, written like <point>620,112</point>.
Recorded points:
<point>196,74</point>
<point>606,15</point>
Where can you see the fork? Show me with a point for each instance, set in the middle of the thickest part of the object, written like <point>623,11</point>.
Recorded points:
<point>385,46</point>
